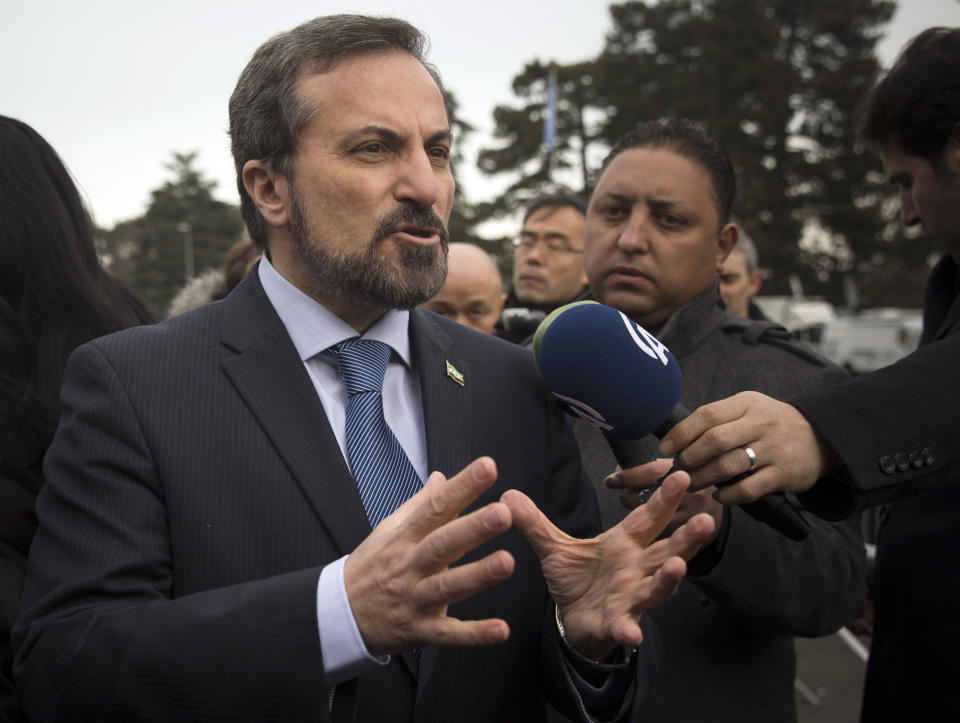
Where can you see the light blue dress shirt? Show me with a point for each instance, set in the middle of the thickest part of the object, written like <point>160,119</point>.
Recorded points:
<point>313,328</point>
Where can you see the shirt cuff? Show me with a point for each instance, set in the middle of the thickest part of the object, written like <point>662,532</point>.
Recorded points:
<point>344,654</point>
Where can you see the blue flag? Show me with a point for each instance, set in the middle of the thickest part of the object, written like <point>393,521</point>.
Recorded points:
<point>550,111</point>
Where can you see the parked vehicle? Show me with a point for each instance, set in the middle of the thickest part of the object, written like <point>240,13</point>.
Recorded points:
<point>796,312</point>
<point>872,339</point>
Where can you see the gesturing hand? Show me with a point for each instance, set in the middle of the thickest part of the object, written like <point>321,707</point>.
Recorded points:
<point>634,482</point>
<point>398,580</point>
<point>602,585</point>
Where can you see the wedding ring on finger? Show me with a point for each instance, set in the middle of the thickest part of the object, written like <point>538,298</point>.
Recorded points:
<point>752,456</point>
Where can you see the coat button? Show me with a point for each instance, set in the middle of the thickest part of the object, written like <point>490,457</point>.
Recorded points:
<point>916,459</point>
<point>887,465</point>
<point>903,464</point>
<point>927,453</point>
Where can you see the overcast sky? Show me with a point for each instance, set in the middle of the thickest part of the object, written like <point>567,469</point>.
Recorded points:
<point>117,85</point>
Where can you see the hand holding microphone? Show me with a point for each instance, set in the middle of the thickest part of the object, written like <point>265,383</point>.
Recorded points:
<point>622,380</point>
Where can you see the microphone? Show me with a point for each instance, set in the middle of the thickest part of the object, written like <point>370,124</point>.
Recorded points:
<point>619,378</point>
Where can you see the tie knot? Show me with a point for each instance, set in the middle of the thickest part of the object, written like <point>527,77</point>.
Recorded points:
<point>361,364</point>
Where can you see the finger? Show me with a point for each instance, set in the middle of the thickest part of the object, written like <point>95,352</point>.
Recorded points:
<point>639,477</point>
<point>646,522</point>
<point>441,502</point>
<point>434,480</point>
<point>664,583</point>
<point>724,467</point>
<point>762,482</point>
<point>686,540</point>
<point>463,581</point>
<point>626,631</point>
<point>450,542</point>
<point>700,421</point>
<point>450,631</point>
<point>542,534</point>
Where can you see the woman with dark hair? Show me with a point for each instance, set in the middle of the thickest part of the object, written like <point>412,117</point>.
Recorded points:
<point>54,295</point>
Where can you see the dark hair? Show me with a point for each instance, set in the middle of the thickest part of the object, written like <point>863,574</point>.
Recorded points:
<point>917,104</point>
<point>54,294</point>
<point>266,112</point>
<point>555,201</point>
<point>693,141</point>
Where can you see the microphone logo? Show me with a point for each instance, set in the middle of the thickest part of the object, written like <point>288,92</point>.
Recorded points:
<point>649,344</point>
<point>587,413</point>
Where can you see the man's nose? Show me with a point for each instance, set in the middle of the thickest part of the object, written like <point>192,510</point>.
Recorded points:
<point>635,235</point>
<point>908,211</point>
<point>417,181</point>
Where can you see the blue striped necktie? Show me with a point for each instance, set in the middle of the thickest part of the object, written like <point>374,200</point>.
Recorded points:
<point>383,473</point>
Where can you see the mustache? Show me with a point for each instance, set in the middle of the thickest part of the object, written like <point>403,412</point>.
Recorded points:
<point>412,214</point>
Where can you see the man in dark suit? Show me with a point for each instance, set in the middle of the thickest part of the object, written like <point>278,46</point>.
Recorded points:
<point>893,434</point>
<point>204,550</point>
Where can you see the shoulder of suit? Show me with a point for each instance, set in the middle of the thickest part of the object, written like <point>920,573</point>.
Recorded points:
<point>755,332</point>
<point>463,338</point>
<point>189,325</point>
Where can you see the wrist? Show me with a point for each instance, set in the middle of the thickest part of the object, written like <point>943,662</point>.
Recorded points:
<point>618,658</point>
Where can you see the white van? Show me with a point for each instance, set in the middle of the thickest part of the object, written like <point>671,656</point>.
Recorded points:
<point>872,339</point>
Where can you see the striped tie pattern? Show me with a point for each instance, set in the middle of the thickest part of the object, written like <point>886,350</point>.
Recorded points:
<point>383,473</point>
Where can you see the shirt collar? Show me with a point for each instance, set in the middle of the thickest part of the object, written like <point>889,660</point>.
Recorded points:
<point>313,327</point>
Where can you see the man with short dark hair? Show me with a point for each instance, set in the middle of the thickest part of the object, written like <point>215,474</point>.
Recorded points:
<point>658,229</point>
<point>547,264</point>
<point>238,521</point>
<point>889,434</point>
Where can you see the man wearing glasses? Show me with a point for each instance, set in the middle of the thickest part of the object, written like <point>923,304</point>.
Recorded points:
<point>547,264</point>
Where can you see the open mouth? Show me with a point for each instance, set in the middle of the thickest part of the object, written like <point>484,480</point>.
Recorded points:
<point>419,234</point>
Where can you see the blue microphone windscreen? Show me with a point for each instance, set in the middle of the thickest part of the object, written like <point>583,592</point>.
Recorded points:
<point>607,369</point>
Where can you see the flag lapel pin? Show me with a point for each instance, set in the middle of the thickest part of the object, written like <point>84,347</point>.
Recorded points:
<point>454,374</point>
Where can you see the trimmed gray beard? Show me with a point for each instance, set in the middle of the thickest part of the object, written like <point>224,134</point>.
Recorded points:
<point>364,276</point>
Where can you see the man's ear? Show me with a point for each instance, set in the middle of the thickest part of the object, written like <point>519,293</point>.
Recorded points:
<point>269,191</point>
<point>727,239</point>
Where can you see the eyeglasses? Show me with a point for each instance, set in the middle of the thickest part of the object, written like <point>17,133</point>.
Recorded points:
<point>550,245</point>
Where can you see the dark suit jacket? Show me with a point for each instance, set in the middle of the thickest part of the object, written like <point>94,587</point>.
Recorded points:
<point>898,433</point>
<point>195,489</point>
<point>895,430</point>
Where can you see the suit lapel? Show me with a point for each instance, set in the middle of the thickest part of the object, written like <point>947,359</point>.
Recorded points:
<point>446,402</point>
<point>446,420</point>
<point>268,373</point>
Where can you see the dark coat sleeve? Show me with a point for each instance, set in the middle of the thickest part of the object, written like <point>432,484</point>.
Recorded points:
<point>99,636</point>
<point>896,431</point>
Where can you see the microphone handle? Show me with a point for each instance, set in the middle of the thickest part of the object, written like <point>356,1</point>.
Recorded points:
<point>628,452</point>
<point>777,510</point>
<point>774,509</point>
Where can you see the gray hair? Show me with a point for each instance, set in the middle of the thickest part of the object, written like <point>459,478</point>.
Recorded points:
<point>748,248</point>
<point>266,112</point>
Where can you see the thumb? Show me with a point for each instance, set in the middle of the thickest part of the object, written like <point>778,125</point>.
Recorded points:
<point>542,534</point>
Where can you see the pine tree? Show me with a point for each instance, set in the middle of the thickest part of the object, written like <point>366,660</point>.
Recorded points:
<point>155,248</point>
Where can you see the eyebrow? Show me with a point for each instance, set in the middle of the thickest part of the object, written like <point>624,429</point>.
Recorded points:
<point>390,135</point>
<point>614,196</point>
<point>663,204</point>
